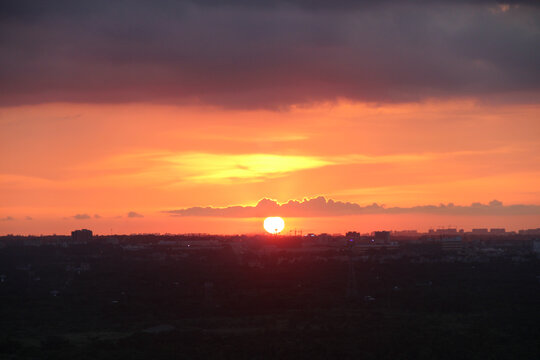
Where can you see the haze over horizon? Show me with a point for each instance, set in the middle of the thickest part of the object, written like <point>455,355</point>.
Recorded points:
<point>204,116</point>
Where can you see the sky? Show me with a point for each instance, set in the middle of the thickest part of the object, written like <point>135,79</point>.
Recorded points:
<point>207,116</point>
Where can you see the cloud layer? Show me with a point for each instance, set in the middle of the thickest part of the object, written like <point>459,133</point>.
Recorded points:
<point>248,54</point>
<point>320,207</point>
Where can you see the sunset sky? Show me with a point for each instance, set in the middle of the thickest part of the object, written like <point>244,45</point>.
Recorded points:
<point>148,116</point>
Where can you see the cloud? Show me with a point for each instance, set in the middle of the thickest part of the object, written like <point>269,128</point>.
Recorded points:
<point>201,167</point>
<point>220,168</point>
<point>7,218</point>
<point>97,216</point>
<point>28,218</point>
<point>81,216</point>
<point>320,207</point>
<point>133,214</point>
<point>271,54</point>
<point>224,168</point>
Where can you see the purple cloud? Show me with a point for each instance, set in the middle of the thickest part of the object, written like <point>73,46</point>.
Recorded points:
<point>271,54</point>
<point>318,207</point>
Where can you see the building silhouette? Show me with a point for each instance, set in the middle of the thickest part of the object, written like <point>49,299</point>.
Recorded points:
<point>81,236</point>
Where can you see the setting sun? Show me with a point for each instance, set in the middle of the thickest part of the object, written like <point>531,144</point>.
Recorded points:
<point>274,225</point>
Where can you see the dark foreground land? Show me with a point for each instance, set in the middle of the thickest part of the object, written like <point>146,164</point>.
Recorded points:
<point>103,301</point>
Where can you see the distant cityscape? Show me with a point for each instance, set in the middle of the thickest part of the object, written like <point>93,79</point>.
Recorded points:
<point>477,241</point>
<point>196,294</point>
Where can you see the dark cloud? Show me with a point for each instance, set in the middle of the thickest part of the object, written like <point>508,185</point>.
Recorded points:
<point>266,54</point>
<point>7,218</point>
<point>318,207</point>
<point>32,8</point>
<point>133,214</point>
<point>81,216</point>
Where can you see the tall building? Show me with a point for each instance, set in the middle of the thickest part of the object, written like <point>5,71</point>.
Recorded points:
<point>530,232</point>
<point>449,231</point>
<point>409,233</point>
<point>81,236</point>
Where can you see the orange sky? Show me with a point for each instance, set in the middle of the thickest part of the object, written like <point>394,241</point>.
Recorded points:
<point>62,159</point>
<point>131,116</point>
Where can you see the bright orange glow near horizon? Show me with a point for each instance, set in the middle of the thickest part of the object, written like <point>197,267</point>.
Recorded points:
<point>122,167</point>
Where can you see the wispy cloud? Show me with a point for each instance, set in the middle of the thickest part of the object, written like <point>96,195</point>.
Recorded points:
<point>81,216</point>
<point>222,168</point>
<point>231,167</point>
<point>165,168</point>
<point>319,207</point>
<point>198,167</point>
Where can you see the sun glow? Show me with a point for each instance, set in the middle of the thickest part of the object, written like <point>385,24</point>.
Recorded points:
<point>274,224</point>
